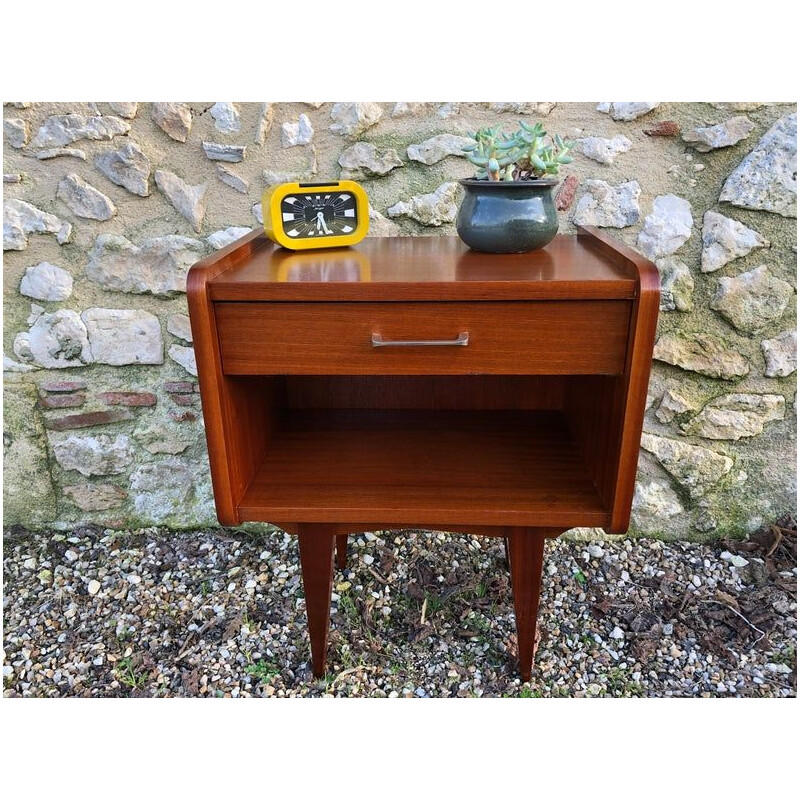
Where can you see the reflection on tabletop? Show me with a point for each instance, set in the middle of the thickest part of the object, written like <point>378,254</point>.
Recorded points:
<point>345,265</point>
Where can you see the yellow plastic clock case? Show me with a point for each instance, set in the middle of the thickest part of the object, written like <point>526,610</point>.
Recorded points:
<point>273,221</point>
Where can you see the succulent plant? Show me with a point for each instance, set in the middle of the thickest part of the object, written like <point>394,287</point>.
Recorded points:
<point>486,153</point>
<point>523,155</point>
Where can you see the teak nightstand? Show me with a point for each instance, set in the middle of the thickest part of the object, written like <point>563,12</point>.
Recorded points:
<point>414,383</point>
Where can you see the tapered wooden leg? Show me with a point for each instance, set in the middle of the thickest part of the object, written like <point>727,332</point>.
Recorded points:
<point>526,551</point>
<point>316,563</point>
<point>341,551</point>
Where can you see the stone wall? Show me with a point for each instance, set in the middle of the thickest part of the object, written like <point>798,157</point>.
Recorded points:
<point>108,204</point>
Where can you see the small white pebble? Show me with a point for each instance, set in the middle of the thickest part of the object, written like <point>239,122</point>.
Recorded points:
<point>699,167</point>
<point>595,551</point>
<point>668,628</point>
<point>71,555</point>
<point>368,559</point>
<point>696,581</point>
<point>617,633</point>
<point>93,588</point>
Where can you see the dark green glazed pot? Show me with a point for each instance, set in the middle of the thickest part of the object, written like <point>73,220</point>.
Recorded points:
<point>507,216</point>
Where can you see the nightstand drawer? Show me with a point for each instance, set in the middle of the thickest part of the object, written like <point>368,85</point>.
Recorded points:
<point>506,338</point>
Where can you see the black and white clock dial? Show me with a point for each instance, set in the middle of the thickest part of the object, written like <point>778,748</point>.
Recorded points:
<point>318,215</point>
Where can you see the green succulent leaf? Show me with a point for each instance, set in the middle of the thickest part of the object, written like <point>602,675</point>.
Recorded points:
<point>499,155</point>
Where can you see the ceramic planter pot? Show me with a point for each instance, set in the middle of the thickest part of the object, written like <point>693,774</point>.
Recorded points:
<point>507,216</point>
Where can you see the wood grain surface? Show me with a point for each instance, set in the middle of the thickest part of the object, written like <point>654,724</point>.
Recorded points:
<point>410,268</point>
<point>446,468</point>
<point>510,338</point>
<point>531,429</point>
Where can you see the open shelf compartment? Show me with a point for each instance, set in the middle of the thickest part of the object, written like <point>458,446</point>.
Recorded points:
<point>464,458</point>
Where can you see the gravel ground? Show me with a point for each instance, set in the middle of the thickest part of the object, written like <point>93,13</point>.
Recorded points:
<point>217,613</point>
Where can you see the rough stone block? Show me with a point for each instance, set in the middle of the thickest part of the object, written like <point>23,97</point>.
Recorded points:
<point>20,219</point>
<point>120,336</point>
<point>609,206</point>
<point>88,420</point>
<point>226,117</point>
<point>753,300</point>
<point>95,496</point>
<point>433,209</point>
<point>780,355</point>
<point>94,455</point>
<point>179,387</point>
<point>158,266</point>
<point>767,178</point>
<point>185,399</point>
<point>703,354</point>
<point>62,401</point>
<point>46,282</point>
<point>62,386</point>
<point>83,200</point>
<point>175,119</point>
<point>63,129</point>
<point>28,495</point>
<point>128,398</point>
<point>697,469</point>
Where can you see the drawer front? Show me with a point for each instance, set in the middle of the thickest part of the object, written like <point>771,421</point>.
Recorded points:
<point>507,338</point>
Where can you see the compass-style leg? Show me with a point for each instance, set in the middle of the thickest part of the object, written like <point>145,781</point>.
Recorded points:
<point>316,562</point>
<point>341,551</point>
<point>526,551</point>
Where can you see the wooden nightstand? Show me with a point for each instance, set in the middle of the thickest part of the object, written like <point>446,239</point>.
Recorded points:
<point>414,383</point>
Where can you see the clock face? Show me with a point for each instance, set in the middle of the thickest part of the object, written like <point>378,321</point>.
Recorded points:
<point>319,214</point>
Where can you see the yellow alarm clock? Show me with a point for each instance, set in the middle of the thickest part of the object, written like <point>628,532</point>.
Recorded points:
<point>305,215</point>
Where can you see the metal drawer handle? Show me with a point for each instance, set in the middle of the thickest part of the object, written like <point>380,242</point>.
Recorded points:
<point>461,341</point>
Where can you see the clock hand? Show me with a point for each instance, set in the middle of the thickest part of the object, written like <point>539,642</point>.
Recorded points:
<point>321,226</point>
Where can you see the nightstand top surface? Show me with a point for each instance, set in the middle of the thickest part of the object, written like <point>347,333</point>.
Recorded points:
<point>419,268</point>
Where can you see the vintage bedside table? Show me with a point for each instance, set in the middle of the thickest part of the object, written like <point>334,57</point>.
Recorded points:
<point>414,383</point>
